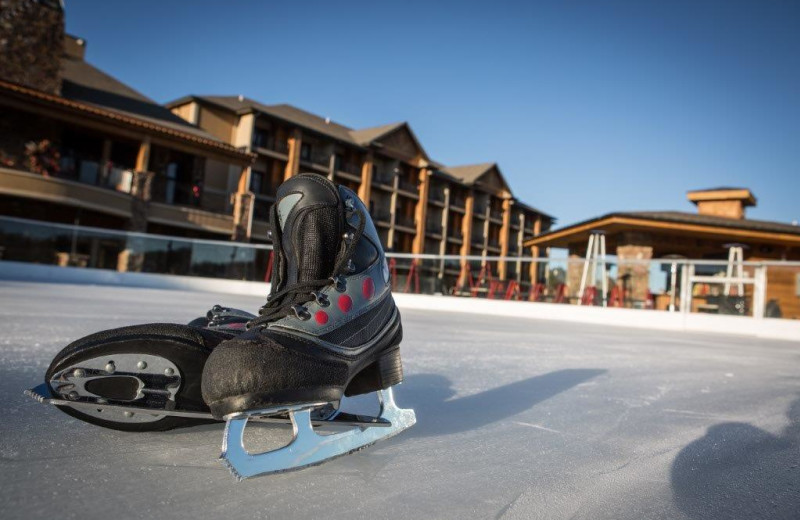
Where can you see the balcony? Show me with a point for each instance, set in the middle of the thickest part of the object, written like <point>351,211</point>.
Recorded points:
<point>383,179</point>
<point>408,187</point>
<point>271,144</point>
<point>434,228</point>
<point>63,191</point>
<point>382,218</point>
<point>405,221</point>
<point>348,167</point>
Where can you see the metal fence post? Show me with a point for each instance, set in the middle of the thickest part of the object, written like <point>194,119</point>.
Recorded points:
<point>687,272</point>
<point>759,291</point>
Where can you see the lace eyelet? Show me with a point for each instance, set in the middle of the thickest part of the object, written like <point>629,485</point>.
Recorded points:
<point>321,299</point>
<point>301,312</point>
<point>339,283</point>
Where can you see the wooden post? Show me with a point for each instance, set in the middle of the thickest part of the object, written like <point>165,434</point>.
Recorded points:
<point>143,157</point>
<point>293,164</point>
<point>466,232</point>
<point>504,236</point>
<point>421,211</point>
<point>365,189</point>
<point>537,229</point>
<point>243,204</point>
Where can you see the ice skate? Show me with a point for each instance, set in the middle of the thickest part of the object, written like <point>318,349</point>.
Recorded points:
<point>330,328</point>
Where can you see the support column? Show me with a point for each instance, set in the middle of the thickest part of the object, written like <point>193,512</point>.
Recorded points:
<point>634,276</point>
<point>466,234</point>
<point>421,211</point>
<point>243,204</point>
<point>537,229</point>
<point>143,156</point>
<point>365,189</point>
<point>393,210</point>
<point>293,164</point>
<point>502,271</point>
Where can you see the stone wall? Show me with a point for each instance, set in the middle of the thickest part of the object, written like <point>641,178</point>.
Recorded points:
<point>32,43</point>
<point>635,277</point>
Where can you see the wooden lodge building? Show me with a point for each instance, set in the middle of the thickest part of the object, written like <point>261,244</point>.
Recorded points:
<point>719,224</point>
<point>79,146</point>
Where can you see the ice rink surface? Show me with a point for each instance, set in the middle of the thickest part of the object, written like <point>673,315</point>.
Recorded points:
<point>516,419</point>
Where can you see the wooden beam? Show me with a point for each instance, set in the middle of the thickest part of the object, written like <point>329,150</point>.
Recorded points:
<point>365,188</point>
<point>466,233</point>
<point>143,156</point>
<point>293,164</point>
<point>421,211</point>
<point>504,236</point>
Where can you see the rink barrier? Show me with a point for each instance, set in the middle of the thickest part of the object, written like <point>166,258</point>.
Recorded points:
<point>621,317</point>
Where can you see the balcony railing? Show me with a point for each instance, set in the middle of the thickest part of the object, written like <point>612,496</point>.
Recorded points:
<point>348,167</point>
<point>406,185</point>
<point>383,178</point>
<point>433,227</point>
<point>437,195</point>
<point>406,221</point>
<point>270,143</point>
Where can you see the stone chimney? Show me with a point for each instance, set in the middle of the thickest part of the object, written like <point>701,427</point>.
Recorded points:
<point>722,202</point>
<point>32,43</point>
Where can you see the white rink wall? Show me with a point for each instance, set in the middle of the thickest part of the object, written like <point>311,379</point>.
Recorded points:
<point>633,318</point>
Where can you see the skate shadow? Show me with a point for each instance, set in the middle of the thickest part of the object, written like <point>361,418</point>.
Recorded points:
<point>737,470</point>
<point>430,395</point>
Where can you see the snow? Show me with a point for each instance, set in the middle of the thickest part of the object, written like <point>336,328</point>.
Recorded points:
<point>516,419</point>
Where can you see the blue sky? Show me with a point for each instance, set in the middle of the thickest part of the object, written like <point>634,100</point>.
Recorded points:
<point>588,107</point>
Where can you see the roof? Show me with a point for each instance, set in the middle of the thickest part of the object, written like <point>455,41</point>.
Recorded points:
<point>324,126</point>
<point>73,108</point>
<point>529,208</point>
<point>697,221</point>
<point>85,83</point>
<point>289,113</point>
<point>469,173</point>
<point>722,194</point>
<point>712,220</point>
<point>367,135</point>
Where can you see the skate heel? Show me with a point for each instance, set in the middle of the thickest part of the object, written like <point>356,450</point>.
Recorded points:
<point>385,372</point>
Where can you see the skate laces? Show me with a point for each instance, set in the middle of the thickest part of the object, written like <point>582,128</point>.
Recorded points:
<point>289,300</point>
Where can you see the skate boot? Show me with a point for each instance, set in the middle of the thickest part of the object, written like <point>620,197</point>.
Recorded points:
<point>330,328</point>
<point>142,377</point>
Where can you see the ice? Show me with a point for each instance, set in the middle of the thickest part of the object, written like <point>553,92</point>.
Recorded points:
<point>516,419</point>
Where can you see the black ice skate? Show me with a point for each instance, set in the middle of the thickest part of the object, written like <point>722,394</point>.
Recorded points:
<point>330,328</point>
<point>142,377</point>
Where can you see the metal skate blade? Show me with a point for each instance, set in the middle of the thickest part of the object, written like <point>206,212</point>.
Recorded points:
<point>328,416</point>
<point>307,448</point>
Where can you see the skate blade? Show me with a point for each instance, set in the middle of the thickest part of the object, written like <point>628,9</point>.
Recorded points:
<point>307,448</point>
<point>325,415</point>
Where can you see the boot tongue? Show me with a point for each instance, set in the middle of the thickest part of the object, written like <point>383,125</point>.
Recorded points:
<point>311,227</point>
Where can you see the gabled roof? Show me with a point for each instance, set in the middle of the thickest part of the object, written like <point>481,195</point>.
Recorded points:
<point>291,114</point>
<point>709,224</point>
<point>288,113</point>
<point>469,173</point>
<point>365,136</point>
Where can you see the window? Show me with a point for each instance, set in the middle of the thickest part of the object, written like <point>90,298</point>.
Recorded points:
<point>305,151</point>
<point>260,138</point>
<point>257,181</point>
